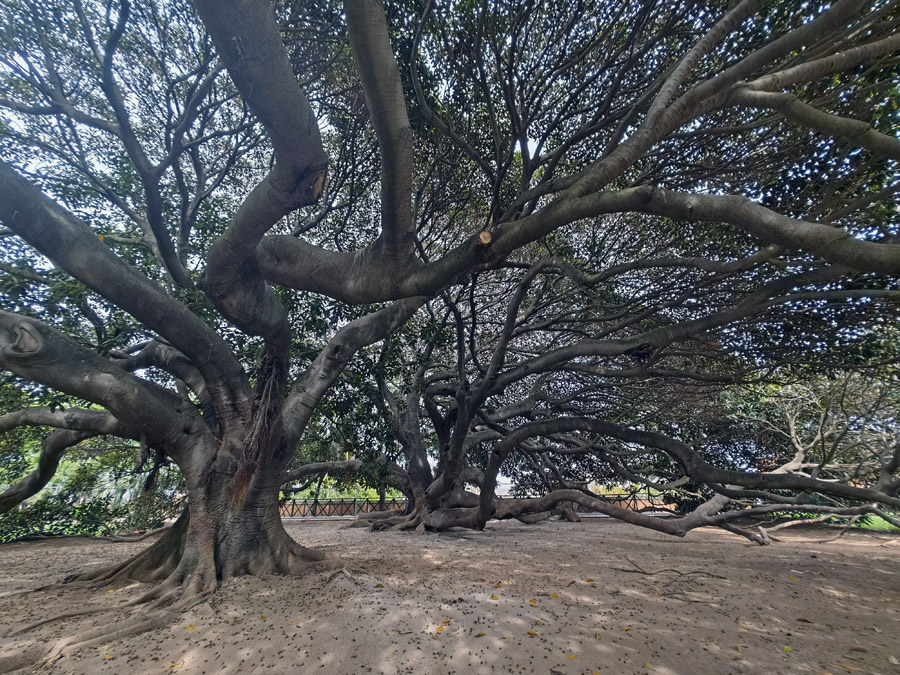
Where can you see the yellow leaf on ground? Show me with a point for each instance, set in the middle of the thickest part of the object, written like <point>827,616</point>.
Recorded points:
<point>445,621</point>
<point>479,635</point>
<point>627,628</point>
<point>531,632</point>
<point>494,597</point>
<point>379,585</point>
<point>787,649</point>
<point>537,622</point>
<point>596,636</point>
<point>262,617</point>
<point>111,590</point>
<point>532,602</point>
<point>648,666</point>
<point>440,628</point>
<point>108,657</point>
<point>794,578</point>
<point>589,580</point>
<point>496,585</point>
<point>191,627</point>
<point>554,595</point>
<point>570,656</point>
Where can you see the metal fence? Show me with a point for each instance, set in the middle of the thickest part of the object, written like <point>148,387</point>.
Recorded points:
<point>350,508</point>
<point>337,508</point>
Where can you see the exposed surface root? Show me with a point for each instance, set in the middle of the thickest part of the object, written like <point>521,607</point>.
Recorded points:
<point>133,626</point>
<point>59,617</point>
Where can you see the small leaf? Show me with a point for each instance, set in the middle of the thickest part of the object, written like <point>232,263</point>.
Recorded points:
<point>648,666</point>
<point>494,597</point>
<point>569,656</point>
<point>496,585</point>
<point>794,578</point>
<point>479,634</point>
<point>191,627</point>
<point>627,628</point>
<point>445,621</point>
<point>532,602</point>
<point>787,649</point>
<point>108,657</point>
<point>554,595</point>
<point>440,628</point>
<point>571,582</point>
<point>379,585</point>
<point>596,636</point>
<point>262,617</point>
<point>532,633</point>
<point>589,580</point>
<point>111,590</point>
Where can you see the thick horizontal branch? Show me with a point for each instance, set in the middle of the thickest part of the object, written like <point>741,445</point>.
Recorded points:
<point>74,419</point>
<point>830,243</point>
<point>36,351</point>
<point>795,110</point>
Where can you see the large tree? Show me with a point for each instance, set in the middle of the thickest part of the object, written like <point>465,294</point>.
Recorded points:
<point>256,193</point>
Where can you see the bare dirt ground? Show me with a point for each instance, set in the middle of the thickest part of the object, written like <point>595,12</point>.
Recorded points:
<point>550,598</point>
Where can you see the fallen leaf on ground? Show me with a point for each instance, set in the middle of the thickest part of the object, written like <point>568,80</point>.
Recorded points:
<point>191,627</point>
<point>532,602</point>
<point>648,666</point>
<point>569,656</point>
<point>627,628</point>
<point>532,633</point>
<point>554,595</point>
<point>787,649</point>
<point>494,597</point>
<point>479,635</point>
<point>589,580</point>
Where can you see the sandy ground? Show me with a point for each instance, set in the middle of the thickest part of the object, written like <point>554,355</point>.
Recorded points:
<point>549,598</point>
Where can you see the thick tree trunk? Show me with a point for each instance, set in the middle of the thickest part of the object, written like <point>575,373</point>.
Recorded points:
<point>215,539</point>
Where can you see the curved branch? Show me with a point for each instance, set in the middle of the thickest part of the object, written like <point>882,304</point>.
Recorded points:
<point>71,245</point>
<point>39,353</point>
<point>795,110</point>
<point>381,84</point>
<point>248,40</point>
<point>52,450</point>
